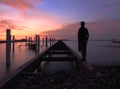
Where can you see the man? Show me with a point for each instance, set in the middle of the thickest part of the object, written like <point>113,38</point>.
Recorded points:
<point>83,36</point>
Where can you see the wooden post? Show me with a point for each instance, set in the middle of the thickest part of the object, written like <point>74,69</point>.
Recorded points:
<point>13,43</point>
<point>8,42</point>
<point>50,41</point>
<point>38,43</point>
<point>46,42</point>
<point>30,40</point>
<point>26,40</point>
<point>36,38</point>
<point>43,41</point>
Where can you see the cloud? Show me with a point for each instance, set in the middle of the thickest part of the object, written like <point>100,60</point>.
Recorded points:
<point>11,24</point>
<point>20,4</point>
<point>17,28</point>
<point>104,29</point>
<point>68,31</point>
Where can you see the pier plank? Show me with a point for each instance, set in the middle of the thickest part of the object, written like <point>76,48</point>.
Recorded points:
<point>58,59</point>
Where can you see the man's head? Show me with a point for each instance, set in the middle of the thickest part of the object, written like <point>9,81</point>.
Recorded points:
<point>82,24</point>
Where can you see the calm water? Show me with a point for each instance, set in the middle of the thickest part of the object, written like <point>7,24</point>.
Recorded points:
<point>99,53</point>
<point>20,56</point>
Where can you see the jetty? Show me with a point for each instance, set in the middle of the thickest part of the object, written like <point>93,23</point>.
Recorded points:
<point>59,51</point>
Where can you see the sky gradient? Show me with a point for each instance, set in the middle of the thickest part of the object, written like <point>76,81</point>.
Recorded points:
<point>30,17</point>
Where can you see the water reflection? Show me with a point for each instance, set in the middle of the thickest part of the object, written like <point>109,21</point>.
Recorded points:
<point>8,68</point>
<point>15,57</point>
<point>18,55</point>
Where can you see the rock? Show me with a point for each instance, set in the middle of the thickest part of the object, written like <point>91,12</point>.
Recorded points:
<point>98,75</point>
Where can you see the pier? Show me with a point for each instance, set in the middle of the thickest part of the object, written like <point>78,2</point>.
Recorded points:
<point>59,51</point>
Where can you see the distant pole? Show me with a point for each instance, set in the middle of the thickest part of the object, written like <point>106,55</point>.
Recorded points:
<point>30,40</point>
<point>26,40</point>
<point>36,39</point>
<point>50,41</point>
<point>38,43</point>
<point>13,43</point>
<point>8,42</point>
<point>43,41</point>
<point>46,39</point>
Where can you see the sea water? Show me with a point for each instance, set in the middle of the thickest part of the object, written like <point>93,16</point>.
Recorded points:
<point>98,53</point>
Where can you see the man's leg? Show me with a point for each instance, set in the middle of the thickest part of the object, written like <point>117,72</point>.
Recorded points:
<point>84,51</point>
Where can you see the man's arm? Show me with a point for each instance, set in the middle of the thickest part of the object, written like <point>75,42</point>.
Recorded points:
<point>87,34</point>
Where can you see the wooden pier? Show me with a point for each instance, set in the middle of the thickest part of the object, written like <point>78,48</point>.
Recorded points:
<point>59,51</point>
<point>32,46</point>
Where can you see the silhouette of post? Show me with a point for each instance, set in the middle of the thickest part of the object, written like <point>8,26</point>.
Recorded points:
<point>43,41</point>
<point>38,43</point>
<point>8,44</point>
<point>50,41</point>
<point>13,43</point>
<point>36,39</point>
<point>30,40</point>
<point>46,41</point>
<point>53,40</point>
<point>26,40</point>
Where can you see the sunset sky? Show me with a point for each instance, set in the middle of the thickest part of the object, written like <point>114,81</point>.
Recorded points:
<point>30,17</point>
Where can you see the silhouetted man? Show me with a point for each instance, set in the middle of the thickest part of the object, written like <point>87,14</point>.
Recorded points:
<point>83,36</point>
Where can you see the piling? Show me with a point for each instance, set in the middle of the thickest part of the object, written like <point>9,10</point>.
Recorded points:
<point>30,40</point>
<point>13,43</point>
<point>38,43</point>
<point>26,40</point>
<point>43,41</point>
<point>8,44</point>
<point>36,39</point>
<point>50,41</point>
<point>46,42</point>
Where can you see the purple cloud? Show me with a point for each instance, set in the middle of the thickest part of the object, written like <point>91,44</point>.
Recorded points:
<point>104,29</point>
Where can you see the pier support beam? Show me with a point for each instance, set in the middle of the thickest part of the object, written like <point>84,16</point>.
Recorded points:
<point>26,41</point>
<point>8,44</point>
<point>38,43</point>
<point>46,42</point>
<point>13,43</point>
<point>36,39</point>
<point>50,41</point>
<point>43,41</point>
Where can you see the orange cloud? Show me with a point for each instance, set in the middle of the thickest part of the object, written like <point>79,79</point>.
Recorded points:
<point>9,23</point>
<point>20,4</point>
<point>25,22</point>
